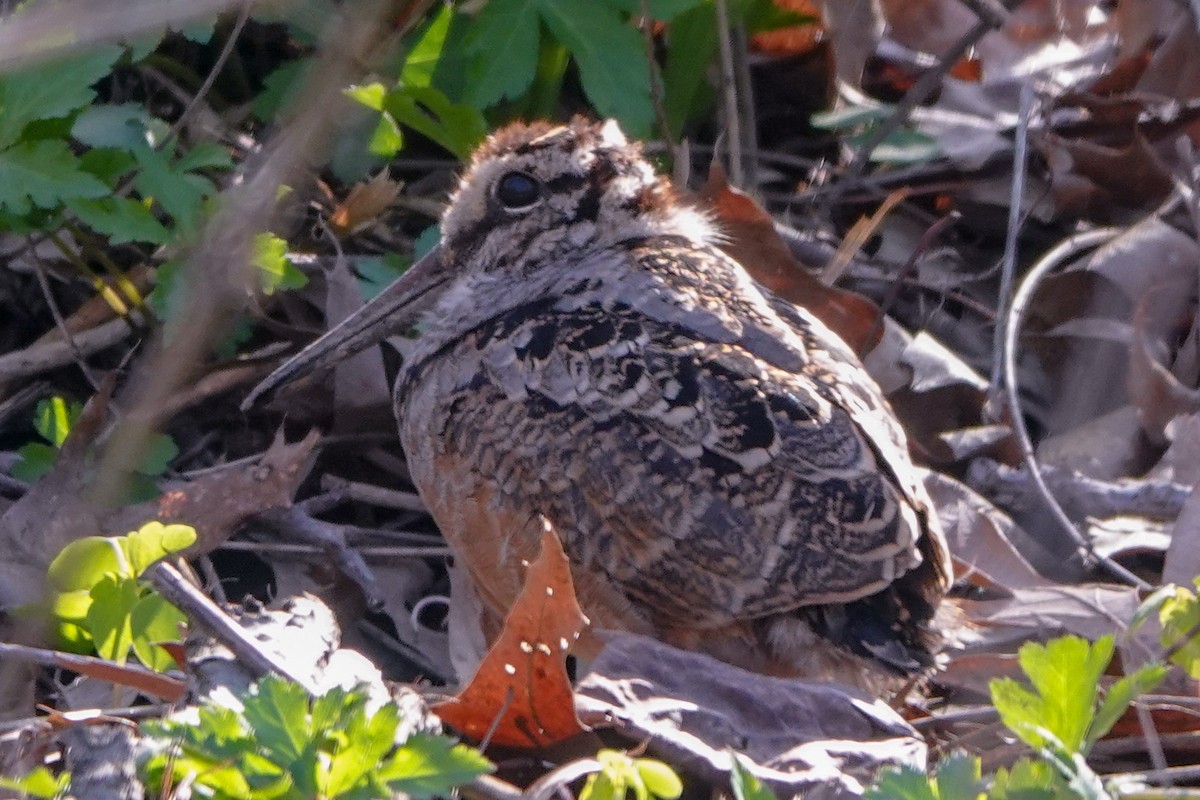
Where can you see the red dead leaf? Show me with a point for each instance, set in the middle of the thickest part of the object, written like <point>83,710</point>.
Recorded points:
<point>521,692</point>
<point>753,242</point>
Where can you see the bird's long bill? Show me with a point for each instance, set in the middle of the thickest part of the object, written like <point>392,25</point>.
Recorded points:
<point>394,310</point>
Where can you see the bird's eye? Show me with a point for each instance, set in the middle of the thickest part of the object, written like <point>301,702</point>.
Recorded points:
<point>518,190</point>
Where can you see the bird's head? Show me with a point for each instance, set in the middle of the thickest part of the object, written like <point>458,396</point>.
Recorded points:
<point>536,199</point>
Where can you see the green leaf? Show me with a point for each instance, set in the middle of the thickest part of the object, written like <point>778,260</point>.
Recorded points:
<point>427,766</point>
<point>109,164</point>
<point>161,450</point>
<point>1065,674</point>
<point>663,10</point>
<point>1118,698</point>
<point>906,147</point>
<point>372,95</point>
<point>959,778</point>
<point>36,460</point>
<point>113,599</point>
<point>901,783</point>
<point>278,715</point>
<point>275,271</point>
<point>691,47</point>
<point>155,541</point>
<point>850,116</point>
<point>386,140</point>
<point>1028,779</point>
<point>205,155</point>
<point>179,193</point>
<point>43,174</point>
<point>50,90</point>
<point>120,219</point>
<point>745,785</point>
<point>153,620</point>
<point>503,45</point>
<point>426,52</point>
<point>281,89</point>
<point>455,126</point>
<point>611,58</point>
<point>125,126</point>
<point>54,417</point>
<point>39,782</point>
<point>376,273</point>
<point>84,562</point>
<point>367,741</point>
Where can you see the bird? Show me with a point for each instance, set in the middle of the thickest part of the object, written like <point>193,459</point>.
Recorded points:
<point>721,471</point>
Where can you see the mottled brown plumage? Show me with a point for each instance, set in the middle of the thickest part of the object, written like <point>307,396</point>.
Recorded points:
<point>721,470</point>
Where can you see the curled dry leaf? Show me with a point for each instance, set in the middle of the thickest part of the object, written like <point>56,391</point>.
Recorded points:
<point>521,694</point>
<point>366,201</point>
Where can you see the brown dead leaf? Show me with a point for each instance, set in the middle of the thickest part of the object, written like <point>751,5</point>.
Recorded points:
<point>752,240</point>
<point>1158,394</point>
<point>521,693</point>
<point>366,201</point>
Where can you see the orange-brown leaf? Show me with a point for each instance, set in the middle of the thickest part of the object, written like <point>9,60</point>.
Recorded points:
<point>752,240</point>
<point>521,691</point>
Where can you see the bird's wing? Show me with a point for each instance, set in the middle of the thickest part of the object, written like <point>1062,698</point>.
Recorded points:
<point>701,478</point>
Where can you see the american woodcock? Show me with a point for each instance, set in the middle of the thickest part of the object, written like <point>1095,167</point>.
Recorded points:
<point>722,472</point>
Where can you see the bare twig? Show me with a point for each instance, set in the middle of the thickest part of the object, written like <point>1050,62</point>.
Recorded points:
<point>1021,301</point>
<point>730,106</point>
<point>656,98</point>
<point>206,614</point>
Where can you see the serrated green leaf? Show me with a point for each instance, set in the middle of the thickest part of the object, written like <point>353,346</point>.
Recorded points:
<point>50,90</point>
<point>901,783</point>
<point>179,193</point>
<point>455,126</point>
<point>611,58</point>
<point>426,766</point>
<point>1028,779</point>
<point>44,174</point>
<point>1065,673</point>
<point>368,740</point>
<point>503,46</point>
<point>745,785</point>
<point>121,219</point>
<point>959,777</point>
<point>278,716</point>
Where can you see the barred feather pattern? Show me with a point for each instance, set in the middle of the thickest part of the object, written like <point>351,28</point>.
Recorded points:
<point>717,456</point>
